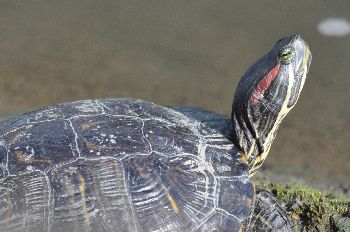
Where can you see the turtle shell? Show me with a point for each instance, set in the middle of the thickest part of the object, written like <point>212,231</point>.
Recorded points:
<point>121,165</point>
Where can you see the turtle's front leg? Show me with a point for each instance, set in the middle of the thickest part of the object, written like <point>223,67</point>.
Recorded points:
<point>268,215</point>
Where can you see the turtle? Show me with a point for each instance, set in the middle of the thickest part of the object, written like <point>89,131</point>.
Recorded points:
<point>131,165</point>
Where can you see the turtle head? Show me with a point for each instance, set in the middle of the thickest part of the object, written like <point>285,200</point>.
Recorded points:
<point>265,94</point>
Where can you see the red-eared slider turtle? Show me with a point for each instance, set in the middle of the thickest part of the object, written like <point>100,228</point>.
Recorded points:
<point>131,165</point>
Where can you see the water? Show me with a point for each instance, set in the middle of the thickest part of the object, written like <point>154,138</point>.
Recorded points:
<point>181,53</point>
<point>334,27</point>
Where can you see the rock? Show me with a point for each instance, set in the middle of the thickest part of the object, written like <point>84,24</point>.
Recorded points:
<point>308,209</point>
<point>340,224</point>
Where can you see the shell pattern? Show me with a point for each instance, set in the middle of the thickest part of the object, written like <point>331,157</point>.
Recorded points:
<point>121,164</point>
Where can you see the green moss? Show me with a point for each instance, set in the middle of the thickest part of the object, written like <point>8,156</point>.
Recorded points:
<point>309,206</point>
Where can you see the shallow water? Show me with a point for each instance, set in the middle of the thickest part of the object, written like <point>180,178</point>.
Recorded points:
<point>181,53</point>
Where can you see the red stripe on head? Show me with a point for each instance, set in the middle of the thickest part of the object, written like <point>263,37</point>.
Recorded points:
<point>264,84</point>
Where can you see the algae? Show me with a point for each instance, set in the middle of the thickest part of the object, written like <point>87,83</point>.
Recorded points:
<point>309,209</point>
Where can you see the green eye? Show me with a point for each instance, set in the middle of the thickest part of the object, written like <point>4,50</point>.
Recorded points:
<point>287,55</point>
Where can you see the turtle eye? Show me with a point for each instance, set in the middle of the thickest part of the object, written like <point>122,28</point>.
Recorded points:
<point>287,55</point>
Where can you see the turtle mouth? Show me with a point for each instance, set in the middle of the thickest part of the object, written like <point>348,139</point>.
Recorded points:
<point>300,76</point>
<point>296,89</point>
<point>309,62</point>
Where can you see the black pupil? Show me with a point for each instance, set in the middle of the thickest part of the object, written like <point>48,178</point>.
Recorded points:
<point>286,54</point>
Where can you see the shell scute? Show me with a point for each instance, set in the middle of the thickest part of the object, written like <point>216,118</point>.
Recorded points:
<point>169,138</point>
<point>3,161</point>
<point>24,202</point>
<point>236,197</point>
<point>109,135</point>
<point>226,162</point>
<point>88,195</point>
<point>170,186</point>
<point>220,221</point>
<point>40,146</point>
